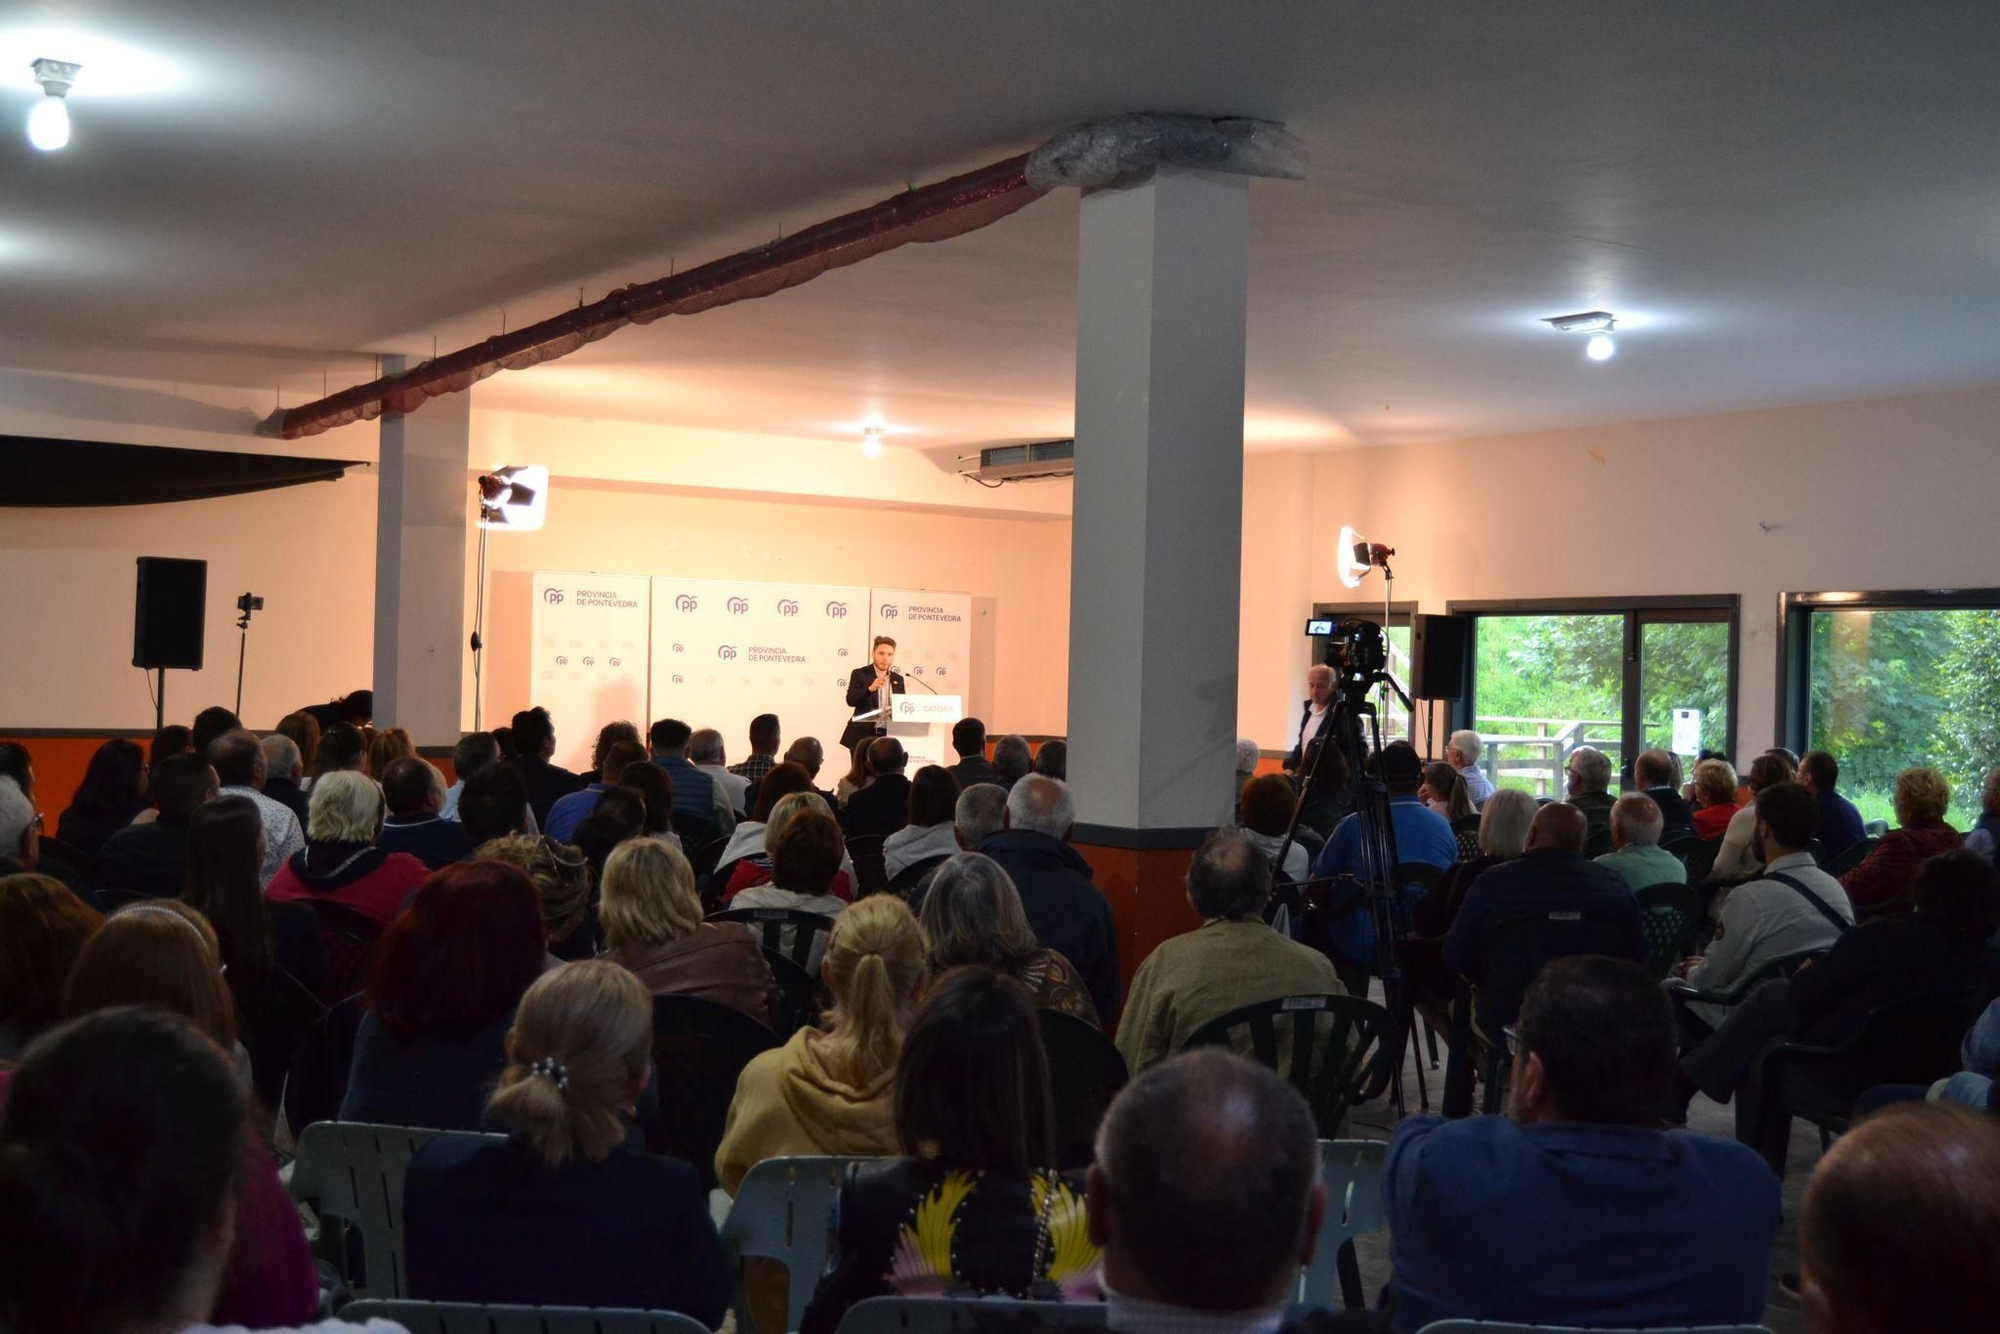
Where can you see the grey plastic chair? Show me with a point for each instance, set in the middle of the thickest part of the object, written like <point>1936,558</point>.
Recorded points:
<point>1500,1327</point>
<point>956,1315</point>
<point>783,1211</point>
<point>468,1318</point>
<point>1351,1170</point>
<point>354,1172</point>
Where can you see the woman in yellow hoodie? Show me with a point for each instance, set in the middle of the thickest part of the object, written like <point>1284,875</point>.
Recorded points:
<point>833,1091</point>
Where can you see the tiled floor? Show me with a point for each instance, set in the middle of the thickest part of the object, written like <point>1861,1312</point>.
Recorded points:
<point>1376,1120</point>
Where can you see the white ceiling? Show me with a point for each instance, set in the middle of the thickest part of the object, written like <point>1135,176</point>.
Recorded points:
<point>1788,202</point>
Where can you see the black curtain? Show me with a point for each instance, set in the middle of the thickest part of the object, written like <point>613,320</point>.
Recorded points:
<point>43,473</point>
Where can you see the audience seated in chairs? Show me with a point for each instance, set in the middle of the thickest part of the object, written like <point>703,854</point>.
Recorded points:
<point>1737,859</point>
<point>563,882</point>
<point>754,867</point>
<point>656,793</point>
<point>708,753</point>
<point>1052,759</point>
<point>1233,959</point>
<point>566,1211</point>
<point>857,776</point>
<point>747,839</point>
<point>927,830</point>
<point>612,763</point>
<point>882,807</point>
<point>341,862</point>
<point>805,858</point>
<point>284,765</point>
<point>972,917</point>
<point>1330,798</point>
<point>1266,811</point>
<point>535,740</point>
<point>833,1091</point>
<point>133,1192</point>
<point>341,749</point>
<point>1205,1197</point>
<point>1462,751</point>
<point>20,830</point>
<point>1882,882</point>
<point>209,724</point>
<point>164,956</point>
<point>1550,878</point>
<point>1068,913</point>
<point>1445,792</point>
<point>1984,836</point>
<point>42,928</point>
<point>474,751</point>
<point>968,738</point>
<point>602,770</point>
<point>974,1125</point>
<point>1715,799</point>
<point>1657,774</point>
<point>387,746</point>
<point>1941,947</point>
<point>1013,760</point>
<point>1901,1225</point>
<point>1503,836</point>
<point>766,735</point>
<point>1793,908</point>
<point>979,814</point>
<point>1636,854</point>
<point>413,790</point>
<point>1587,784</point>
<point>1575,1210</point>
<point>601,833</point>
<point>150,857</point>
<point>113,790</point>
<point>651,915</point>
<point>493,803</point>
<point>442,988</point>
<point>1840,824</point>
<point>1422,837</point>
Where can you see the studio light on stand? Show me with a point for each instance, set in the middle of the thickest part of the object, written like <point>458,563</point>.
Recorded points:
<point>1357,556</point>
<point>515,500</point>
<point>48,119</point>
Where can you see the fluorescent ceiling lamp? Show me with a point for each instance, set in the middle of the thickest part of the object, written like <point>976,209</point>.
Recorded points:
<point>514,499</point>
<point>1352,557</point>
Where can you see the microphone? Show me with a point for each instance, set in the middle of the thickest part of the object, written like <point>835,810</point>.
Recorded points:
<point>920,681</point>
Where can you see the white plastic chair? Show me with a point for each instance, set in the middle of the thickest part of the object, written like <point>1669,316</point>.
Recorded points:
<point>955,1315</point>
<point>783,1211</point>
<point>1352,1171</point>
<point>1501,1327</point>
<point>470,1318</point>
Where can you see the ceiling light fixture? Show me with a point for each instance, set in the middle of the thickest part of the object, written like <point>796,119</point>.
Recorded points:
<point>1599,324</point>
<point>48,121</point>
<point>871,441</point>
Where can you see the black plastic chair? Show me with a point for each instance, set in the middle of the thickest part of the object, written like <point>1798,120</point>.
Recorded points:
<point>718,880</point>
<point>1598,843</point>
<point>786,931</point>
<point>1085,1073</point>
<point>695,831</point>
<point>317,1082</point>
<point>906,883</point>
<point>801,999</point>
<point>1852,856</point>
<point>1911,1040</point>
<point>699,1050</point>
<point>1671,913</point>
<point>275,1011</point>
<point>113,897</point>
<point>1326,1046</point>
<point>870,874</point>
<point>1680,992</point>
<point>704,858</point>
<point>349,937</point>
<point>1698,855</point>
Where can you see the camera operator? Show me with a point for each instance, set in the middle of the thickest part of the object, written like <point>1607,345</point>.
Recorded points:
<point>1317,715</point>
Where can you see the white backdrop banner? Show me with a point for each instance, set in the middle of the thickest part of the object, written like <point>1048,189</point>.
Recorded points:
<point>933,634</point>
<point>724,652</point>
<point>589,659</point>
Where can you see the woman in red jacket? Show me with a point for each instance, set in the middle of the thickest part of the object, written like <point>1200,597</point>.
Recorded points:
<point>1882,880</point>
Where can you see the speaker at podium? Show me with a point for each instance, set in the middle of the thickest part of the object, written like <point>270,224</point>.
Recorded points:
<point>923,724</point>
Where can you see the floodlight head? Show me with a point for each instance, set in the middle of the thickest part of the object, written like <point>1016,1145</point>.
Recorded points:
<point>1351,558</point>
<point>514,498</point>
<point>1588,321</point>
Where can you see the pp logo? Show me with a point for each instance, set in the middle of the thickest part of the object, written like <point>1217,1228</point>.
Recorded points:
<point>553,596</point>
<point>727,652</point>
<point>840,653</point>
<point>940,671</point>
<point>889,611</point>
<point>680,648</point>
<point>787,607</point>
<point>618,662</point>
<point>916,671</point>
<point>737,606</point>
<point>590,662</point>
<point>562,660</point>
<point>687,602</point>
<point>680,680</point>
<point>836,610</point>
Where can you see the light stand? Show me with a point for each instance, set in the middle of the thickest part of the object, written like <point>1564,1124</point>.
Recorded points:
<point>515,498</point>
<point>478,623</point>
<point>246,604</point>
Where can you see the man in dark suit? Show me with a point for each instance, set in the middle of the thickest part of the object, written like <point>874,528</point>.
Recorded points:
<point>968,738</point>
<point>1315,715</point>
<point>1653,772</point>
<point>883,806</point>
<point>864,693</point>
<point>535,735</point>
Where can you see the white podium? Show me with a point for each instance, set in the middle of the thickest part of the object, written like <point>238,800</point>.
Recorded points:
<point>923,724</point>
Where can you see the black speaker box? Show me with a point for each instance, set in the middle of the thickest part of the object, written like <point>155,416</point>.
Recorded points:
<point>170,613</point>
<point>1440,647</point>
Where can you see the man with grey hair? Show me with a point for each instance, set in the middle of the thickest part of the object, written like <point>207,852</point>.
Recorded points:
<point>1635,841</point>
<point>20,830</point>
<point>1462,753</point>
<point>1656,773</point>
<point>1587,774</point>
<point>1012,760</point>
<point>283,767</point>
<point>981,813</point>
<point>1233,959</point>
<point>706,751</point>
<point>1313,720</point>
<point>1204,1198</point>
<point>1067,912</point>
<point>238,760</point>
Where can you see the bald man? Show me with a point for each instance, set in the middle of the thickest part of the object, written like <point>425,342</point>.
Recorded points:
<point>1549,884</point>
<point>1901,1224</point>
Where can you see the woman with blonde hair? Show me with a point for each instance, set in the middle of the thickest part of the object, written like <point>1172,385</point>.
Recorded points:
<point>1881,883</point>
<point>568,1210</point>
<point>564,881</point>
<point>652,925</point>
<point>757,868</point>
<point>387,746</point>
<point>1715,798</point>
<point>972,916</point>
<point>832,1091</point>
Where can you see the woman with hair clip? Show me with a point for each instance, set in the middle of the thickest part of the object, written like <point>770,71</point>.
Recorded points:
<point>164,954</point>
<point>973,1208</point>
<point>569,1211</point>
<point>832,1091</point>
<point>121,1182</point>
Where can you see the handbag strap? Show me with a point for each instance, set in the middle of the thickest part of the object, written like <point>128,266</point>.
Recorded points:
<point>1839,922</point>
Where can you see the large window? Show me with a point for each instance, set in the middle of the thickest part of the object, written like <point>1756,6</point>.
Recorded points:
<point>1621,676</point>
<point>1884,681</point>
